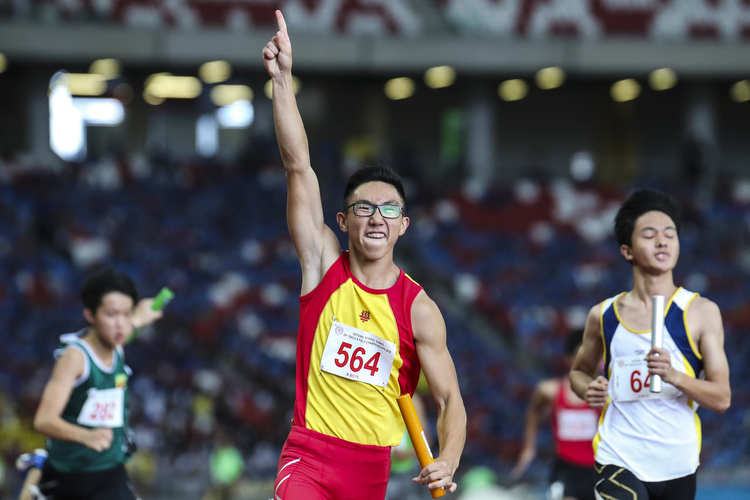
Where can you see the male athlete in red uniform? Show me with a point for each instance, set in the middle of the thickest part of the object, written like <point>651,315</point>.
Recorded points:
<point>365,329</point>
<point>574,426</point>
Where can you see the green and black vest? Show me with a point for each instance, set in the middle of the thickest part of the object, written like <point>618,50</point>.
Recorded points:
<point>99,399</point>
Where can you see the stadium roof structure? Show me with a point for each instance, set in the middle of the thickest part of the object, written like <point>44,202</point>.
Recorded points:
<point>73,43</point>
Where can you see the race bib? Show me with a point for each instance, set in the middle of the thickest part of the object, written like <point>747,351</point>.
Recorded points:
<point>103,408</point>
<point>358,355</point>
<point>631,381</point>
<point>577,425</point>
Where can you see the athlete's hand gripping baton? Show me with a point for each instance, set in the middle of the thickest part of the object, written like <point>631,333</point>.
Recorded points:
<point>657,334</point>
<point>162,298</point>
<point>417,436</point>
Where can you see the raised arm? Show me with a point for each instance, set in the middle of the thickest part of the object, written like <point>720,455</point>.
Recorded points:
<point>583,378</point>
<point>438,368</point>
<point>714,393</point>
<point>539,406</point>
<point>143,315</point>
<point>48,418</point>
<point>316,245</point>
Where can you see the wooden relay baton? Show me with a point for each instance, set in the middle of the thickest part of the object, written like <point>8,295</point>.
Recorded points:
<point>417,436</point>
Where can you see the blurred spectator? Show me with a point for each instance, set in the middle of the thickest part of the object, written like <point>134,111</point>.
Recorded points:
<point>226,464</point>
<point>574,426</point>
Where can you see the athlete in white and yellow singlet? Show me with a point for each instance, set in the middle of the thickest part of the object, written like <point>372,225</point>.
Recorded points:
<point>648,444</point>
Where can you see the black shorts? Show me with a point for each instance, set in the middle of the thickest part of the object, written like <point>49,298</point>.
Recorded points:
<point>576,481</point>
<point>110,484</point>
<point>618,483</point>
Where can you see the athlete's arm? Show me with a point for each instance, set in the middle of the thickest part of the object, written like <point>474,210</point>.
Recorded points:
<point>714,393</point>
<point>32,480</point>
<point>143,315</point>
<point>539,405</point>
<point>317,246</point>
<point>440,372</point>
<point>56,393</point>
<point>583,378</point>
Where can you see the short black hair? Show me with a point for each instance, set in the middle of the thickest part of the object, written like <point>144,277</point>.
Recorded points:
<point>575,338</point>
<point>104,281</point>
<point>637,204</point>
<point>374,173</point>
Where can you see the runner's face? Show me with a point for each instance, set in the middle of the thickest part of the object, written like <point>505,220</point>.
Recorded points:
<point>112,321</point>
<point>656,245</point>
<point>373,236</point>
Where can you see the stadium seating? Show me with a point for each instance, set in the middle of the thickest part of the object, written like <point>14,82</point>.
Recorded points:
<point>728,20</point>
<point>512,271</point>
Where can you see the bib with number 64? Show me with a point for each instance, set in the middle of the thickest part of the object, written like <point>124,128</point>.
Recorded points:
<point>631,381</point>
<point>358,355</point>
<point>103,408</point>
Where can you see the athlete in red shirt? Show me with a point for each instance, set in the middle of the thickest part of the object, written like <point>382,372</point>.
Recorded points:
<point>574,426</point>
<point>365,327</point>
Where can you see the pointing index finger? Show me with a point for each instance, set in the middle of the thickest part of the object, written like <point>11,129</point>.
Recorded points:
<point>282,25</point>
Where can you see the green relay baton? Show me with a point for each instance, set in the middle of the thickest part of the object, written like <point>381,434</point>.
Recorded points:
<point>162,299</point>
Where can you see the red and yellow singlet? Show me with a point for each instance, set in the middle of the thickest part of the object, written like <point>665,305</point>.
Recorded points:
<point>355,355</point>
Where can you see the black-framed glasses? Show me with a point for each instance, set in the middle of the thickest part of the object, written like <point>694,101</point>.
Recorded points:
<point>362,209</point>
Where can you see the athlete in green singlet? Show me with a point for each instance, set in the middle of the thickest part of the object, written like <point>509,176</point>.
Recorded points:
<point>83,410</point>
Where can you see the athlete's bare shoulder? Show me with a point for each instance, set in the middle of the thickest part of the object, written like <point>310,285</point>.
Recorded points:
<point>423,306</point>
<point>704,318</point>
<point>71,363</point>
<point>595,313</point>
<point>704,305</point>
<point>548,388</point>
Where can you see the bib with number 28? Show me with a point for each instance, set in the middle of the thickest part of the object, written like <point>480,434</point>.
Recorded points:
<point>103,408</point>
<point>358,355</point>
<point>632,382</point>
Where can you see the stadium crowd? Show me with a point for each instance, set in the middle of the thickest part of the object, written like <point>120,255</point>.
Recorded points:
<point>512,268</point>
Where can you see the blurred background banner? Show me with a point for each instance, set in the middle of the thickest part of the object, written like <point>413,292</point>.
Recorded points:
<point>139,133</point>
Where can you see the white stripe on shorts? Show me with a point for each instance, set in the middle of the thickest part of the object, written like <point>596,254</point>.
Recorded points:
<point>276,496</point>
